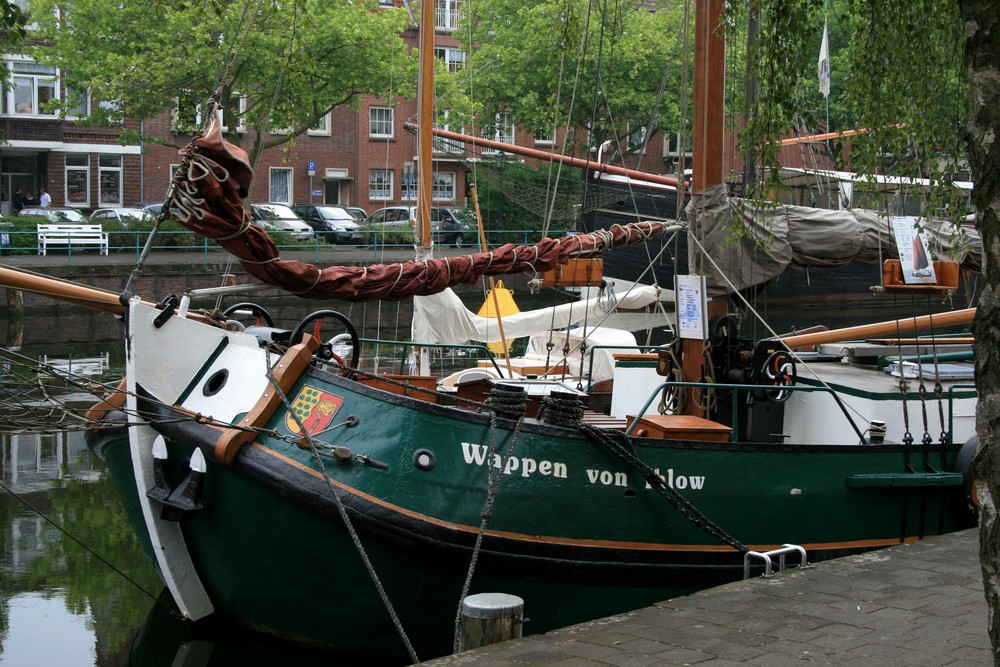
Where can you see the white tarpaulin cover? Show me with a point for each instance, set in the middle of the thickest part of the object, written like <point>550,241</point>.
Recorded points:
<point>443,318</point>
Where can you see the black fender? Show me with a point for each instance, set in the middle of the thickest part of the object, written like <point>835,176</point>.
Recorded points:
<point>968,506</point>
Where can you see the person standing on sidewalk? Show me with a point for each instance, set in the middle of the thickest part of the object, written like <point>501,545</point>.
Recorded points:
<point>17,203</point>
<point>44,198</point>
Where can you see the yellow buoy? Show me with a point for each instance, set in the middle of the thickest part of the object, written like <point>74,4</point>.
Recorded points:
<point>499,300</point>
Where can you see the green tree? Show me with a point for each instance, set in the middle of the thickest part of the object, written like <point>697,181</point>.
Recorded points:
<point>275,66</point>
<point>577,64</point>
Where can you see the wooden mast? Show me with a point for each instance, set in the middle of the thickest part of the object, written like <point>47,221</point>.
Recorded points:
<point>423,244</point>
<point>707,151</point>
<point>425,155</point>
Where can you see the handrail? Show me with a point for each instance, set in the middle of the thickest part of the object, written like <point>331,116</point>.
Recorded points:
<point>951,406</point>
<point>753,387</point>
<point>766,556</point>
<point>407,344</point>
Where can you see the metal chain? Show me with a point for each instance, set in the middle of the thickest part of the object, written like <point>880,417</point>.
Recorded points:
<point>492,486</point>
<point>623,450</point>
<point>344,516</point>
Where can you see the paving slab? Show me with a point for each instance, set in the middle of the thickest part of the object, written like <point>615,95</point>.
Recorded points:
<point>912,604</point>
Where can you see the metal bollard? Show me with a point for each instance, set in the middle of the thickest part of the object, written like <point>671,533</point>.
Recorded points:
<point>488,618</point>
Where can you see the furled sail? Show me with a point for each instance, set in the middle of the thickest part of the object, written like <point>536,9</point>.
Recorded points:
<point>751,243</point>
<point>215,176</point>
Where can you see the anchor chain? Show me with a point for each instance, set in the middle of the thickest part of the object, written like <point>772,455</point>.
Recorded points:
<point>492,486</point>
<point>623,450</point>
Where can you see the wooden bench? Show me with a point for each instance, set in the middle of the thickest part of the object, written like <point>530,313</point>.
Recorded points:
<point>71,236</point>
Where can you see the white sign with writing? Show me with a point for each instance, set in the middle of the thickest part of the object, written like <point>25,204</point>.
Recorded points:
<point>692,305</point>
<point>914,255</point>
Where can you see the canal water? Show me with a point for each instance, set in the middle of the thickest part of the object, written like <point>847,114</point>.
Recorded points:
<point>75,590</point>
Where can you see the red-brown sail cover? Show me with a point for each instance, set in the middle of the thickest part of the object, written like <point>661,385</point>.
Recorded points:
<point>208,199</point>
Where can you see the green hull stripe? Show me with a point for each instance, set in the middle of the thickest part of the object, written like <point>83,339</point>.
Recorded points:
<point>905,479</point>
<point>196,380</point>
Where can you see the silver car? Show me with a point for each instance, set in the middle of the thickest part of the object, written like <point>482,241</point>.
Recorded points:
<point>281,218</point>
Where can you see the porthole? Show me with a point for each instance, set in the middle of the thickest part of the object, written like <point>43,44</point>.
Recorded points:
<point>424,459</point>
<point>215,382</point>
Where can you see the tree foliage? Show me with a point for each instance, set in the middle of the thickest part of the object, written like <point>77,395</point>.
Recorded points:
<point>897,74</point>
<point>577,64</point>
<point>277,66</point>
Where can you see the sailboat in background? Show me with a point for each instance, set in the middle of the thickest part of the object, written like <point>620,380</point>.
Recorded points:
<point>272,481</point>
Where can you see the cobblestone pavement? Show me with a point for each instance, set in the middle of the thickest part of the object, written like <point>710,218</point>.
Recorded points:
<point>915,604</point>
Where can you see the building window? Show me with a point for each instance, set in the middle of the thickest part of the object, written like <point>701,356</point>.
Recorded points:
<point>189,114</point>
<point>446,145</point>
<point>444,185</point>
<point>446,14</point>
<point>672,141</point>
<point>32,86</point>
<point>322,127</point>
<point>501,130</point>
<point>380,123</point>
<point>281,185</point>
<point>454,58</point>
<point>380,185</point>
<point>109,178</point>
<point>79,103</point>
<point>77,179</point>
<point>636,137</point>
<point>409,182</point>
<point>545,137</point>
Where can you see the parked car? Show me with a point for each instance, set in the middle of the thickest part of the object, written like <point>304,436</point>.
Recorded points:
<point>125,216</point>
<point>456,226</point>
<point>448,226</point>
<point>333,223</point>
<point>280,217</point>
<point>393,217</point>
<point>153,208</point>
<point>356,212</point>
<point>55,213</point>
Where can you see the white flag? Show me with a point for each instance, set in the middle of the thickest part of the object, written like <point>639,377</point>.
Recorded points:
<point>824,64</point>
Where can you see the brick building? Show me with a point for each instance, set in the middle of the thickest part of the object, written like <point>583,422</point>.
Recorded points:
<point>360,158</point>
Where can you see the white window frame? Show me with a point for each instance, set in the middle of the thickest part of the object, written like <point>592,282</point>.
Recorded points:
<point>380,184</point>
<point>501,130</point>
<point>77,174</point>
<point>636,134</point>
<point>409,187</point>
<point>379,124</point>
<point>23,5</point>
<point>445,14</point>
<point>443,186</point>
<point>15,98</point>
<point>671,140</point>
<point>322,128</point>
<point>81,111</point>
<point>274,190</point>
<point>453,58</point>
<point>444,145</point>
<point>542,139</point>
<point>197,122</point>
<point>109,179</point>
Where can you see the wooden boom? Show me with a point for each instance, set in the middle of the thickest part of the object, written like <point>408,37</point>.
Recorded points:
<point>83,295</point>
<point>889,328</point>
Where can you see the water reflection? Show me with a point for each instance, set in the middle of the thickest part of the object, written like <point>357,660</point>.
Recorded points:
<point>165,640</point>
<point>70,562</point>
